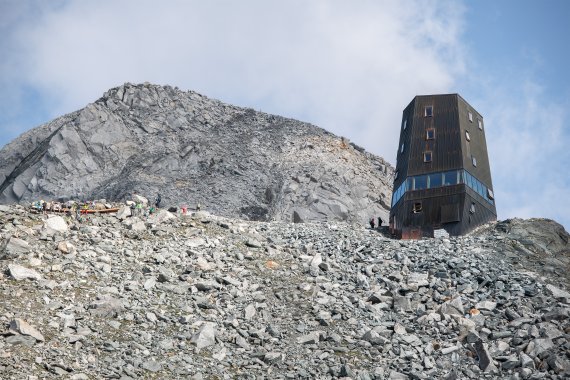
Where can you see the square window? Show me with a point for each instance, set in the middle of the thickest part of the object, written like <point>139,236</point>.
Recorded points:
<point>417,207</point>
<point>427,156</point>
<point>404,124</point>
<point>428,111</point>
<point>402,148</point>
<point>480,124</point>
<point>467,136</point>
<point>474,161</point>
<point>472,208</point>
<point>490,194</point>
<point>430,134</point>
<point>470,116</point>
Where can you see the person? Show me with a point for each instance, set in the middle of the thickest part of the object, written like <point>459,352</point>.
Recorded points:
<point>371,223</point>
<point>157,201</point>
<point>198,206</point>
<point>139,208</point>
<point>379,222</point>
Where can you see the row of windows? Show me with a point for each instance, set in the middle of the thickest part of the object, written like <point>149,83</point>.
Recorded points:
<point>428,112</point>
<point>435,180</point>
<point>428,157</point>
<point>430,135</point>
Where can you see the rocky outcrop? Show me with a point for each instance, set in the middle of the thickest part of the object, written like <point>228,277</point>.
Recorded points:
<point>540,245</point>
<point>193,150</point>
<point>203,296</point>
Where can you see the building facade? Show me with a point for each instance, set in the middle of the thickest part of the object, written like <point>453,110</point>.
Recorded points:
<point>442,178</point>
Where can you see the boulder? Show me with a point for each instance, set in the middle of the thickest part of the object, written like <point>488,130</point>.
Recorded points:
<point>123,213</point>
<point>55,224</point>
<point>66,247</point>
<point>139,198</point>
<point>106,306</point>
<point>160,217</point>
<point>19,273</point>
<point>205,336</point>
<point>13,247</point>
<point>24,328</point>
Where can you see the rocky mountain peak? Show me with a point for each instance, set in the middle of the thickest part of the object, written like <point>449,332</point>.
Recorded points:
<point>194,150</point>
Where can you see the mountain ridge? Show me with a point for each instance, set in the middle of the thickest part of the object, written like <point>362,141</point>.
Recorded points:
<point>192,149</point>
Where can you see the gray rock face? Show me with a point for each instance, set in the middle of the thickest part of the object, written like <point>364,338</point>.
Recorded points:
<point>233,161</point>
<point>540,245</point>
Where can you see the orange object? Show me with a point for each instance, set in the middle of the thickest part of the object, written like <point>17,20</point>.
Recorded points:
<point>271,265</point>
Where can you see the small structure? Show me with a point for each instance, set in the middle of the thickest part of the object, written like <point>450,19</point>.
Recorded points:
<point>442,178</point>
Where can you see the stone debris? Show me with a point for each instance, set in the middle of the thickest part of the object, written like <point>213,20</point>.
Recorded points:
<point>188,298</point>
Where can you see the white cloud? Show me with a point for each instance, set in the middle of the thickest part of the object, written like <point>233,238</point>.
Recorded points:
<point>347,67</point>
<point>528,151</point>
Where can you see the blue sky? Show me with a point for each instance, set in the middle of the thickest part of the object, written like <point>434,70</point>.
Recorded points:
<point>350,68</point>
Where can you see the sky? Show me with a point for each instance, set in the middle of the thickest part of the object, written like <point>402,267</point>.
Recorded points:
<point>348,67</point>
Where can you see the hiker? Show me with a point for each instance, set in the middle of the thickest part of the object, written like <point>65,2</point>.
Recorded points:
<point>379,222</point>
<point>184,208</point>
<point>198,206</point>
<point>371,223</point>
<point>139,208</point>
<point>157,201</point>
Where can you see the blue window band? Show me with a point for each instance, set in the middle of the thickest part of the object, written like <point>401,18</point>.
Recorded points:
<point>442,179</point>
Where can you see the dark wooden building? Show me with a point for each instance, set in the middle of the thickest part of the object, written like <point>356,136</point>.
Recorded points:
<point>442,178</point>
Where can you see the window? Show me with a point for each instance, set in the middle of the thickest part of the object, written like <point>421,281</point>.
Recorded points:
<point>474,161</point>
<point>490,194</point>
<point>449,178</point>
<point>479,188</point>
<point>427,156</point>
<point>396,175</point>
<point>420,182</point>
<point>435,180</point>
<point>467,136</point>
<point>417,207</point>
<point>480,124</point>
<point>470,115</point>
<point>402,148</point>
<point>472,208</point>
<point>468,180</point>
<point>405,124</point>
<point>428,111</point>
<point>430,134</point>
